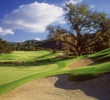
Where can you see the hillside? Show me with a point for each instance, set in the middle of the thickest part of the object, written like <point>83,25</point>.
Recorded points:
<point>36,45</point>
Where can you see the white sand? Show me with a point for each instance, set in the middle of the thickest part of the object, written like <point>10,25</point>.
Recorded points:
<point>59,88</point>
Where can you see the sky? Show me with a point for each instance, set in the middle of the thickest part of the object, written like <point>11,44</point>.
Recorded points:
<point>22,20</point>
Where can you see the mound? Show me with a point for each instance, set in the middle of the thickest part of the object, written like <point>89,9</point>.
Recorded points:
<point>59,88</point>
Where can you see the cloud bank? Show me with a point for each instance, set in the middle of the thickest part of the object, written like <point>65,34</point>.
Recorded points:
<point>31,18</point>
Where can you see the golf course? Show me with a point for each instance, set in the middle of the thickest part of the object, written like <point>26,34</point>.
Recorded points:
<point>19,68</point>
<point>54,50</point>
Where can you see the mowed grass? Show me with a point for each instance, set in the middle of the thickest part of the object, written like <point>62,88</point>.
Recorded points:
<point>33,65</point>
<point>9,74</point>
<point>24,56</point>
<point>28,65</point>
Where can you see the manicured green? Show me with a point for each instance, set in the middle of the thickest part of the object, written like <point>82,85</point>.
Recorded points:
<point>32,65</point>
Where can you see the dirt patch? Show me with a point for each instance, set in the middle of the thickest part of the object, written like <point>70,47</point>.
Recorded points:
<point>59,88</point>
<point>80,63</point>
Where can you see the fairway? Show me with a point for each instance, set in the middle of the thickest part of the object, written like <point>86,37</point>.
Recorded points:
<point>15,73</point>
<point>23,56</point>
<point>31,63</point>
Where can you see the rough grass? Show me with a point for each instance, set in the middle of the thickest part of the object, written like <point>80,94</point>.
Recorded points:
<point>33,65</point>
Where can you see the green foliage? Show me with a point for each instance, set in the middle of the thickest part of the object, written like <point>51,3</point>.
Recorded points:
<point>4,47</point>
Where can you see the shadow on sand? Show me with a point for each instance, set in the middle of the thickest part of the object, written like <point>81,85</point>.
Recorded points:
<point>98,88</point>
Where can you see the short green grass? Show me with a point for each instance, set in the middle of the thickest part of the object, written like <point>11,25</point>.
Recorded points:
<point>23,56</point>
<point>32,65</point>
<point>9,74</point>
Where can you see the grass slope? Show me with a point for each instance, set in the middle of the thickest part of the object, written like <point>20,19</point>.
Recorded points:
<point>33,65</point>
<point>100,66</point>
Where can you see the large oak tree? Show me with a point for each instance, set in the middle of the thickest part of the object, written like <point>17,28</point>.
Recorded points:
<point>86,28</point>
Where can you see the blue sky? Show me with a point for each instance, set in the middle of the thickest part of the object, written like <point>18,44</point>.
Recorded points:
<point>22,20</point>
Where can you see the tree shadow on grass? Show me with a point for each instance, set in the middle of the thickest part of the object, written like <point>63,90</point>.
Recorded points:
<point>99,60</point>
<point>98,88</point>
<point>47,55</point>
<point>32,63</point>
<point>35,62</point>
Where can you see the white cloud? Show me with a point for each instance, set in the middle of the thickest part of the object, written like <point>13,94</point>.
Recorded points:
<point>75,1</point>
<point>5,31</point>
<point>92,6</point>
<point>32,17</point>
<point>38,39</point>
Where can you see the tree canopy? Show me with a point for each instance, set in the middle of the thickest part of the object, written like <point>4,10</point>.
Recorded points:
<point>87,29</point>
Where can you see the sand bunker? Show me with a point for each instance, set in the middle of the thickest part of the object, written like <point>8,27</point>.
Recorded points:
<point>80,63</point>
<point>59,88</point>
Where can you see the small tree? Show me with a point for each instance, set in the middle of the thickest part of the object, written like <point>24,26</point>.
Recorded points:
<point>4,47</point>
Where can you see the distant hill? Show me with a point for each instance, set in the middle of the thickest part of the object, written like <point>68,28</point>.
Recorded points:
<point>50,43</point>
<point>36,45</point>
